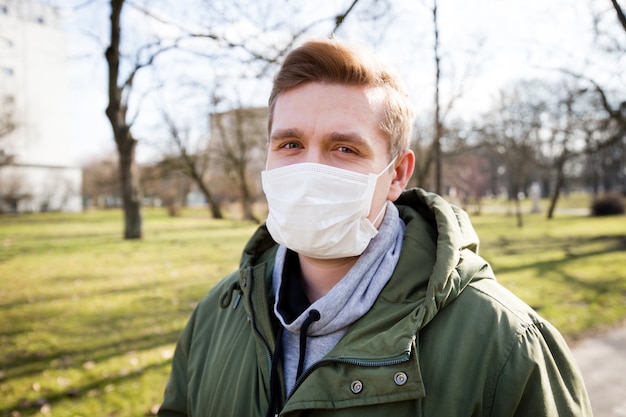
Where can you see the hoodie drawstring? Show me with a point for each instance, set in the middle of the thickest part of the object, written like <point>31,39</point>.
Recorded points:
<point>275,388</point>
<point>314,316</point>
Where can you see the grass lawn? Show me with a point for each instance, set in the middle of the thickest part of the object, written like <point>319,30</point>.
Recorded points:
<point>571,269</point>
<point>88,321</point>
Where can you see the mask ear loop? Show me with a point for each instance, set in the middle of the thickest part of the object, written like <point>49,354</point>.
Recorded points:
<point>393,161</point>
<point>380,213</point>
<point>382,210</point>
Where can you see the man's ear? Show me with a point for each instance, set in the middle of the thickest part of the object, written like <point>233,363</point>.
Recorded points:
<point>404,166</point>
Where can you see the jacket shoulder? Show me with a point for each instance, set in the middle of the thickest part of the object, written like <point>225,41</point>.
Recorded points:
<point>504,353</point>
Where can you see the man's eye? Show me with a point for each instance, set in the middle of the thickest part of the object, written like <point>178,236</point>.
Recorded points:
<point>345,149</point>
<point>290,145</point>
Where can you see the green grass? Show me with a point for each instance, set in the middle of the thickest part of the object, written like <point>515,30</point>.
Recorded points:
<point>572,269</point>
<point>88,321</point>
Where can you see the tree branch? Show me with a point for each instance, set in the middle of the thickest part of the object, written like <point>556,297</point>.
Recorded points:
<point>620,14</point>
<point>340,18</point>
<point>613,113</point>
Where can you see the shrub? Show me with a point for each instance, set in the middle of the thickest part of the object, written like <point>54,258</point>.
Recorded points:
<point>607,205</point>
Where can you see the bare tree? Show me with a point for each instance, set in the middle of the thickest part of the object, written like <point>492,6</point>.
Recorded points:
<point>238,141</point>
<point>542,126</point>
<point>606,136</point>
<point>120,90</point>
<point>431,136</point>
<point>437,120</point>
<point>13,190</point>
<point>604,126</point>
<point>421,144</point>
<point>100,183</point>
<point>612,44</point>
<point>470,178</point>
<point>117,112</point>
<point>165,184</point>
<point>566,119</point>
<point>615,114</point>
<point>192,164</point>
<point>512,129</point>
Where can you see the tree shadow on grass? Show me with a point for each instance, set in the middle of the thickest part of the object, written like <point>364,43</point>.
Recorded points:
<point>93,340</point>
<point>68,335</point>
<point>32,407</point>
<point>64,295</point>
<point>50,242</point>
<point>57,244</point>
<point>18,363</point>
<point>571,250</point>
<point>613,243</point>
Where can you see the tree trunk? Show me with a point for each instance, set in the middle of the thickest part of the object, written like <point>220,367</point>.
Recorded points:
<point>516,188</point>
<point>248,214</point>
<point>518,213</point>
<point>246,199</point>
<point>595,176</point>
<point>214,205</point>
<point>437,121</point>
<point>130,190</point>
<point>557,187</point>
<point>116,113</point>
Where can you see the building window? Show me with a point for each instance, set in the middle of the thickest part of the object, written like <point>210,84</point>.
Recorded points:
<point>7,71</point>
<point>4,9</point>
<point>40,20</point>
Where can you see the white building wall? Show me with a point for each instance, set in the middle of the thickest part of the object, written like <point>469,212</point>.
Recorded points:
<point>33,79</point>
<point>47,188</point>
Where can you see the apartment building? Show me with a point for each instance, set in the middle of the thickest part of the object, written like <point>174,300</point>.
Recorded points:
<point>36,172</point>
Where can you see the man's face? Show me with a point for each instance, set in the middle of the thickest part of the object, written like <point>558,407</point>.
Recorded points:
<point>332,124</point>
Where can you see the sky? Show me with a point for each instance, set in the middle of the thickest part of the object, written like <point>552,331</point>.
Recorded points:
<point>484,45</point>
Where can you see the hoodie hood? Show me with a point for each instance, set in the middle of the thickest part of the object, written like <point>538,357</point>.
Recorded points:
<point>453,241</point>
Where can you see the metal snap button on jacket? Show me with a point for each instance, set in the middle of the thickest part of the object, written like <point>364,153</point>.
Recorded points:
<point>400,378</point>
<point>356,386</point>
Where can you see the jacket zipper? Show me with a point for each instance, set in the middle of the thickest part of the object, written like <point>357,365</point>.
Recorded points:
<point>259,336</point>
<point>256,332</point>
<point>268,354</point>
<point>358,362</point>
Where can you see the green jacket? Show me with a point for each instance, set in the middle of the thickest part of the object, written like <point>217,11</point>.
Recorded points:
<point>443,339</point>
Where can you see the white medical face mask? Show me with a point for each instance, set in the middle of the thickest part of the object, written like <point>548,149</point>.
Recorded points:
<point>320,211</point>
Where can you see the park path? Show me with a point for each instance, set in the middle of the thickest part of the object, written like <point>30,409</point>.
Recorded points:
<point>602,360</point>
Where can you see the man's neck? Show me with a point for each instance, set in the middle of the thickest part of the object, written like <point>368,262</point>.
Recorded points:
<point>320,275</point>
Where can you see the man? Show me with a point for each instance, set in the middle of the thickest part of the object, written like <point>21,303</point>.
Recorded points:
<point>348,304</point>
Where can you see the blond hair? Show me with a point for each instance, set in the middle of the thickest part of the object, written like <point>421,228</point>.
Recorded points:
<point>331,61</point>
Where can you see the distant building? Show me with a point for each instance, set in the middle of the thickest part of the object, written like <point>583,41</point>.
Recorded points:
<point>237,144</point>
<point>34,96</point>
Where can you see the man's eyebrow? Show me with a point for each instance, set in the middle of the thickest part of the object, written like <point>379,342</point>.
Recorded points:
<point>286,134</point>
<point>349,137</point>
